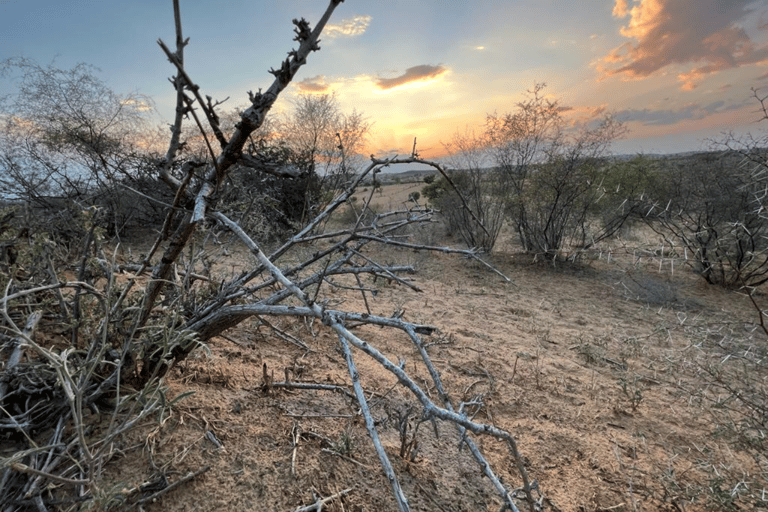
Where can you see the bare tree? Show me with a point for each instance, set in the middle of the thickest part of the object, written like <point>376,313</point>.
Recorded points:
<point>476,206</point>
<point>67,136</point>
<point>326,143</point>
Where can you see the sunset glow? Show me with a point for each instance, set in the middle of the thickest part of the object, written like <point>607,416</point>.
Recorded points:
<point>678,72</point>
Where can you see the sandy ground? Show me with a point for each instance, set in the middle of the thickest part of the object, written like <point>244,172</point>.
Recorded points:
<point>585,364</point>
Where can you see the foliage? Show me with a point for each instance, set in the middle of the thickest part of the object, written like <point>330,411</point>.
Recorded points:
<point>435,188</point>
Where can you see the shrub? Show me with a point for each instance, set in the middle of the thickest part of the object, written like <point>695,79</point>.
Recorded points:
<point>554,179</point>
<point>707,204</point>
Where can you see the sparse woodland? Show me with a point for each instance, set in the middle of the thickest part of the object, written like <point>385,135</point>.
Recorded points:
<point>253,231</point>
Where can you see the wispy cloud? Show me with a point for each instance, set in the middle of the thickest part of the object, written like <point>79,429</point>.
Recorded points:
<point>348,27</point>
<point>414,74</point>
<point>139,104</point>
<point>707,34</point>
<point>663,117</point>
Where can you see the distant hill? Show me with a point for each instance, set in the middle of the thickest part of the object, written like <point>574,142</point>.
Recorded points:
<point>733,158</point>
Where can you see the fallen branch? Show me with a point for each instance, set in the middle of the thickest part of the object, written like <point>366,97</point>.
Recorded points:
<point>337,320</point>
<point>402,502</point>
<point>318,505</point>
<point>181,481</point>
<point>311,385</point>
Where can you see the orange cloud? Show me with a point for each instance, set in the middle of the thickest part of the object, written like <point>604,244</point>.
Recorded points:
<point>315,84</point>
<point>680,32</point>
<point>415,74</point>
<point>620,9</point>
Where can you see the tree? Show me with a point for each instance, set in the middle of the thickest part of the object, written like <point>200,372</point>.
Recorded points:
<point>326,141</point>
<point>66,135</point>
<point>555,174</point>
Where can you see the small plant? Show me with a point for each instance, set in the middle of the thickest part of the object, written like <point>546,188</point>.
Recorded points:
<point>409,444</point>
<point>344,445</point>
<point>632,391</point>
<point>591,352</point>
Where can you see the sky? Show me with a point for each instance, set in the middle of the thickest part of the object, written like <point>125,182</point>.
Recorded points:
<point>679,73</point>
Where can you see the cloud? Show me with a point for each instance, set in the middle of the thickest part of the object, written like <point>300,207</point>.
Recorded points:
<point>707,34</point>
<point>140,105</point>
<point>348,27</point>
<point>414,74</point>
<point>313,84</point>
<point>665,117</point>
<point>620,9</point>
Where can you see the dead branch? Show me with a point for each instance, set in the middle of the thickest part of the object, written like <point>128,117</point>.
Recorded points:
<point>165,166</point>
<point>415,159</point>
<point>311,385</point>
<point>337,321</point>
<point>18,343</point>
<point>446,250</point>
<point>402,502</point>
<point>181,481</point>
<point>250,120</point>
<point>318,505</point>
<point>22,468</point>
<point>284,335</point>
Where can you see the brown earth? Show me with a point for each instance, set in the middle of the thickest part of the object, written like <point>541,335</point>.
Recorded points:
<point>586,364</point>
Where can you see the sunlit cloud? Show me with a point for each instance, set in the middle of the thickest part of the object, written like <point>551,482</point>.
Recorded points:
<point>706,33</point>
<point>620,8</point>
<point>137,104</point>
<point>315,84</point>
<point>763,23</point>
<point>420,73</point>
<point>348,27</point>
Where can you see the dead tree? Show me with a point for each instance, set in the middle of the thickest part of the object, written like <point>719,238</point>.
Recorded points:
<point>156,336</point>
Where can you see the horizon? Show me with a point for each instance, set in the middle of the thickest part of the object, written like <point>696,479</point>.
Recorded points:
<point>679,73</point>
